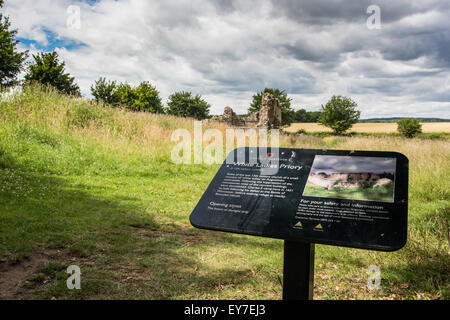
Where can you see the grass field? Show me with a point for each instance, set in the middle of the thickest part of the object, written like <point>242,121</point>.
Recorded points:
<point>388,127</point>
<point>88,185</point>
<point>384,193</point>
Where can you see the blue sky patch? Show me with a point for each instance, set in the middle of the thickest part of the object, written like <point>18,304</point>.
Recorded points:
<point>54,41</point>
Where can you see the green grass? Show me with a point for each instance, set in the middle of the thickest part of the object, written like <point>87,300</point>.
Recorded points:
<point>95,187</point>
<point>383,193</point>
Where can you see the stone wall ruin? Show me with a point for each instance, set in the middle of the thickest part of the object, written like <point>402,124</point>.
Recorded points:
<point>268,116</point>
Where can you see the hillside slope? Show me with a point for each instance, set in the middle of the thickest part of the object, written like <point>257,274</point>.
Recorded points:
<point>86,184</point>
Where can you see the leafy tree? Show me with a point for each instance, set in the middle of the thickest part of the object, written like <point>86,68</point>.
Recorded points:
<point>125,94</point>
<point>409,127</point>
<point>302,115</point>
<point>144,97</point>
<point>287,113</point>
<point>11,61</point>
<point>48,70</point>
<point>183,104</point>
<point>339,114</point>
<point>105,91</point>
<point>287,117</point>
<point>314,116</point>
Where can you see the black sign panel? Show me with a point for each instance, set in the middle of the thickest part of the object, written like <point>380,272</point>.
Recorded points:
<point>345,198</point>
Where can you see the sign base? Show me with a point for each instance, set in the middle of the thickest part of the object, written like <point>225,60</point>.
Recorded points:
<point>298,270</point>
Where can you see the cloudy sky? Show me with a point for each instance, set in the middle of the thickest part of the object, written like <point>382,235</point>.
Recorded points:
<point>344,164</point>
<point>228,50</point>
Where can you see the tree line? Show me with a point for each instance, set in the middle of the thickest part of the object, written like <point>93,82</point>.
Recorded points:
<point>145,97</point>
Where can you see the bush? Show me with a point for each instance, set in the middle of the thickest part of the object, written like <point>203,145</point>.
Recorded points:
<point>339,114</point>
<point>125,94</point>
<point>183,104</point>
<point>301,131</point>
<point>144,97</point>
<point>302,115</point>
<point>105,91</point>
<point>409,128</point>
<point>435,135</point>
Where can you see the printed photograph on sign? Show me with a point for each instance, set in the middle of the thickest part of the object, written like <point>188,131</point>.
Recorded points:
<point>356,178</point>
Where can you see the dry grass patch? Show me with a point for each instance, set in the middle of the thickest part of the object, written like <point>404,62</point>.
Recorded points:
<point>388,127</point>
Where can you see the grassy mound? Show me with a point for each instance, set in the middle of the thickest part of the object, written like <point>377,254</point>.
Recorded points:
<point>95,186</point>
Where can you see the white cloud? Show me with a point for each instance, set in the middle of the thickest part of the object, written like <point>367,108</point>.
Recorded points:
<point>229,50</point>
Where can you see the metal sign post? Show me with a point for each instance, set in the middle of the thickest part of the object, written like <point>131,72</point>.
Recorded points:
<point>298,270</point>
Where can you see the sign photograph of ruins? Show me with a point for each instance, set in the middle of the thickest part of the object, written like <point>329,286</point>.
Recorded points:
<point>349,177</point>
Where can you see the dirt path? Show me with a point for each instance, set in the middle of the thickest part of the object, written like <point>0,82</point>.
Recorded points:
<point>13,276</point>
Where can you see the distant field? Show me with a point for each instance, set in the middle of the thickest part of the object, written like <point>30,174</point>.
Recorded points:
<point>388,127</point>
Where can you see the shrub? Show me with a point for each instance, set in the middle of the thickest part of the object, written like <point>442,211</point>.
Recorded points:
<point>435,136</point>
<point>125,94</point>
<point>105,91</point>
<point>301,131</point>
<point>302,115</point>
<point>409,128</point>
<point>144,97</point>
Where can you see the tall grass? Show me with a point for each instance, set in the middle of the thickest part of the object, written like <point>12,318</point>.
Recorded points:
<point>77,174</point>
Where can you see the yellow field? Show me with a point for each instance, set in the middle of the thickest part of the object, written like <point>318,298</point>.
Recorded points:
<point>388,127</point>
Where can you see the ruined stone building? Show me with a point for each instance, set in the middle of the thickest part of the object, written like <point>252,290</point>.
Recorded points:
<point>268,116</point>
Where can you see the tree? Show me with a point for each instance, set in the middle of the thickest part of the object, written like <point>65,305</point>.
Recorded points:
<point>339,114</point>
<point>125,94</point>
<point>144,97</point>
<point>105,91</point>
<point>302,115</point>
<point>48,70</point>
<point>287,113</point>
<point>11,61</point>
<point>183,104</point>
<point>287,117</point>
<point>409,127</point>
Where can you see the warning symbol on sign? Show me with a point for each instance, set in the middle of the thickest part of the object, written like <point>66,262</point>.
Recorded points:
<point>298,225</point>
<point>318,227</point>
